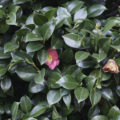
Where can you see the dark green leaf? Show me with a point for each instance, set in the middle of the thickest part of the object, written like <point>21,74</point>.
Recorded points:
<point>53,96</point>
<point>73,40</point>
<point>113,112</point>
<point>116,47</point>
<point>107,94</point>
<point>4,55</point>
<point>50,13</point>
<point>55,114</point>
<point>53,78</point>
<point>6,84</point>
<point>80,15</point>
<point>33,46</point>
<point>39,78</point>
<point>67,100</point>
<point>14,110</point>
<point>42,56</point>
<point>33,37</point>
<point>110,23</point>
<point>20,1</point>
<point>35,88</point>
<point>95,96</point>
<point>26,73</point>
<point>74,6</point>
<point>99,57</point>
<point>3,70</point>
<point>39,19</point>
<point>31,118</point>
<point>47,30</point>
<point>12,15</point>
<point>67,82</point>
<point>39,109</point>
<point>81,94</point>
<point>96,10</point>
<point>100,117</point>
<point>63,17</point>
<point>56,42</point>
<point>81,55</point>
<point>25,104</point>
<point>10,46</point>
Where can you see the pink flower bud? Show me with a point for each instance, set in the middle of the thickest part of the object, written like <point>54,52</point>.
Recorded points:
<point>53,60</point>
<point>111,67</point>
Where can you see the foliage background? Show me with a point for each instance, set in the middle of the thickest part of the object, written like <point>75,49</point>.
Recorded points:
<point>77,89</point>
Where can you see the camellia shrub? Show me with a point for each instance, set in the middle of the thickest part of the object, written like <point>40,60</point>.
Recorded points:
<point>58,61</point>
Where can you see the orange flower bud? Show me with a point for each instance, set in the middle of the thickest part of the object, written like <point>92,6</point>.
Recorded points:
<point>111,67</point>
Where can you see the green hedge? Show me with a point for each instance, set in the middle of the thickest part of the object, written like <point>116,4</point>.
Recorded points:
<point>58,61</point>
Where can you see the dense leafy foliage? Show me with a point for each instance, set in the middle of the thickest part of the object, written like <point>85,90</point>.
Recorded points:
<point>79,41</point>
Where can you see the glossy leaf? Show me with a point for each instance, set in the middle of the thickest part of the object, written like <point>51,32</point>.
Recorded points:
<point>42,56</point>
<point>72,40</point>
<point>14,110</point>
<point>39,19</point>
<point>39,78</point>
<point>73,6</point>
<point>20,1</point>
<point>6,84</point>
<point>81,94</point>
<point>53,96</point>
<point>33,46</point>
<point>35,88</point>
<point>67,82</point>
<point>26,73</point>
<point>96,10</point>
<point>47,30</point>
<point>80,15</point>
<point>95,96</point>
<point>33,37</point>
<point>10,46</point>
<point>38,110</point>
<point>4,55</point>
<point>100,117</point>
<point>67,100</point>
<point>25,104</point>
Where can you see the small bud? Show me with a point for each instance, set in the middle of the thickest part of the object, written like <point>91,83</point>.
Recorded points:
<point>111,67</point>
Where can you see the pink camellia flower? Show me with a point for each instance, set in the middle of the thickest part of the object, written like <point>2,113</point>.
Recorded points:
<point>52,61</point>
<point>111,67</point>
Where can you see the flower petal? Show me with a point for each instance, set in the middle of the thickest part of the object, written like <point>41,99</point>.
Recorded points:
<point>54,64</point>
<point>53,53</point>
